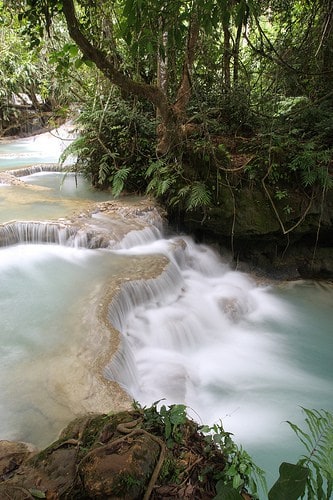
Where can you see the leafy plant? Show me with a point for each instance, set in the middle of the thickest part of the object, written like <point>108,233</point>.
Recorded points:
<point>116,140</point>
<point>230,469</point>
<point>163,178</point>
<point>167,182</point>
<point>240,473</point>
<point>313,473</point>
<point>312,166</point>
<point>291,483</point>
<point>318,441</point>
<point>169,421</point>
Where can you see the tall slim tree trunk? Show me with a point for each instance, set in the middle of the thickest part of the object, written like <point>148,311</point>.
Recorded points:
<point>236,54</point>
<point>226,57</point>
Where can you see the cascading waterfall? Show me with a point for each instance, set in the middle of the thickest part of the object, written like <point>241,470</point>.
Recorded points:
<point>199,334</point>
<point>13,233</point>
<point>136,294</point>
<point>36,169</point>
<point>213,339</point>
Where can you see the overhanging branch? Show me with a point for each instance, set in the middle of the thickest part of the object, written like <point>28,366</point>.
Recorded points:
<point>107,67</point>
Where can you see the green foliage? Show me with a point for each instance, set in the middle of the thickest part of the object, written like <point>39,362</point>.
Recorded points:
<point>312,166</point>
<point>169,184</point>
<point>198,196</point>
<point>170,471</point>
<point>318,442</point>
<point>36,493</point>
<point>299,149</point>
<point>125,484</point>
<point>162,178</point>
<point>240,473</point>
<point>226,492</point>
<point>275,84</point>
<point>116,140</point>
<point>291,483</point>
<point>169,421</point>
<point>311,476</point>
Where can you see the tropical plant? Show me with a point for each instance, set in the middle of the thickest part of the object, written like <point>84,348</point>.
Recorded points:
<point>240,472</point>
<point>318,460</point>
<point>115,142</point>
<point>311,477</point>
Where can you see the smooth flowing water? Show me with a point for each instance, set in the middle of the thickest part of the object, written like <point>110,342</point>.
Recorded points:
<point>213,339</point>
<point>58,195</point>
<point>41,148</point>
<point>232,349</point>
<point>44,292</point>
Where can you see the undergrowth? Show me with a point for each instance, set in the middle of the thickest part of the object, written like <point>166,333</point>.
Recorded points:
<point>208,459</point>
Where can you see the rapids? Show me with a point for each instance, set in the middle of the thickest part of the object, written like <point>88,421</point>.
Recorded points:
<point>199,333</point>
<point>226,346</point>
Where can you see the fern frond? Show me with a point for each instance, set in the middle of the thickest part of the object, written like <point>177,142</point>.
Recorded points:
<point>165,185</point>
<point>103,172</point>
<point>152,186</point>
<point>119,179</point>
<point>154,167</point>
<point>318,441</point>
<point>309,177</point>
<point>180,195</point>
<point>199,196</point>
<point>75,148</point>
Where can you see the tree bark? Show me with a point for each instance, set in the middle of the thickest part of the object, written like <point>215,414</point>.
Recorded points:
<point>151,92</point>
<point>226,57</point>
<point>169,132</point>
<point>185,88</point>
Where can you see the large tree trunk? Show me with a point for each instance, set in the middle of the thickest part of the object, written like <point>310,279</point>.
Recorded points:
<point>170,130</point>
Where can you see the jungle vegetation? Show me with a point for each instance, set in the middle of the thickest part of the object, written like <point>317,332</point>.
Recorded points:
<point>179,98</point>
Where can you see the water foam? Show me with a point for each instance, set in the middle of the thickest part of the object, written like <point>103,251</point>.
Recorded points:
<point>211,338</point>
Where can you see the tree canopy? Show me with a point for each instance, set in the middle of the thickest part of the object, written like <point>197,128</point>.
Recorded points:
<point>215,77</point>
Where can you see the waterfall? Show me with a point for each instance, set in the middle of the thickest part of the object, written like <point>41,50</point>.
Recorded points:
<point>35,169</point>
<point>13,233</point>
<point>211,338</point>
<point>135,295</point>
<point>67,234</point>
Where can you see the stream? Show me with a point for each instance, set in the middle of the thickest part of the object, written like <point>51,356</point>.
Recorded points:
<point>232,349</point>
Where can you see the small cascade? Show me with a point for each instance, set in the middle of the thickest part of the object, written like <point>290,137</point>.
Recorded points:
<point>13,233</point>
<point>14,177</point>
<point>134,295</point>
<point>94,230</point>
<point>211,338</point>
<point>139,237</point>
<point>35,169</point>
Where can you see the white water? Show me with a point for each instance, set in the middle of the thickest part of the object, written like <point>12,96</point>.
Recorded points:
<point>213,339</point>
<point>40,148</point>
<point>202,334</point>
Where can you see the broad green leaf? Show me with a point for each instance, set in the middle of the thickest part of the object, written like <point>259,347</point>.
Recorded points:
<point>291,483</point>
<point>37,493</point>
<point>226,493</point>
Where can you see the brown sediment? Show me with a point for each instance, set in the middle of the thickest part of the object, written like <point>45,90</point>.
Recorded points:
<point>105,338</point>
<point>85,388</point>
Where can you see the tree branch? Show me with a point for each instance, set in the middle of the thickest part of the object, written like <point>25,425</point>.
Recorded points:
<point>107,67</point>
<point>185,88</point>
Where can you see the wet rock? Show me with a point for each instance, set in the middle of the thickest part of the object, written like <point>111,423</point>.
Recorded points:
<point>282,244</point>
<point>12,455</point>
<point>120,468</point>
<point>96,456</point>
